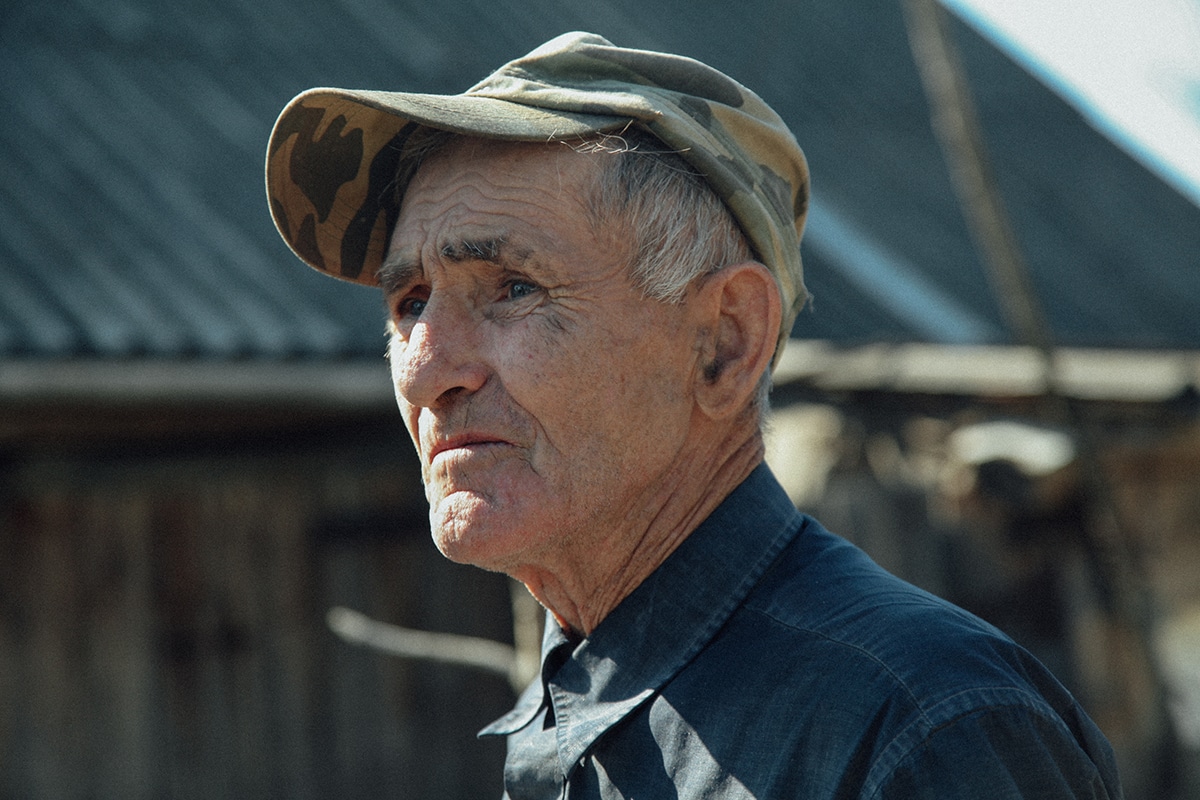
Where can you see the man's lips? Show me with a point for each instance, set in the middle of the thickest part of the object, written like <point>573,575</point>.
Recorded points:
<point>464,442</point>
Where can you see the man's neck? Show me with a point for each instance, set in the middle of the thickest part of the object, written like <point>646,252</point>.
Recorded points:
<point>581,588</point>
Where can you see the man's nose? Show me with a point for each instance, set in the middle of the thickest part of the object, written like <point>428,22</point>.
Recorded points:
<point>440,356</point>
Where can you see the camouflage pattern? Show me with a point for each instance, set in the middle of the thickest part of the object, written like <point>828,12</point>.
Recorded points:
<point>333,155</point>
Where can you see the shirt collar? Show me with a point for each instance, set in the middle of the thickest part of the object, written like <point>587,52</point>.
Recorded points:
<point>556,649</point>
<point>663,623</point>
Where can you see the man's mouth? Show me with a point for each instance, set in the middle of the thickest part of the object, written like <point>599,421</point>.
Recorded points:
<point>464,443</point>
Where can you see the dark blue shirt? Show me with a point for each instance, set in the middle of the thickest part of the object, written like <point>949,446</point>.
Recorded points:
<point>769,658</point>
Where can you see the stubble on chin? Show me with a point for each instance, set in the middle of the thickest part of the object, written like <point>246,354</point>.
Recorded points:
<point>465,528</point>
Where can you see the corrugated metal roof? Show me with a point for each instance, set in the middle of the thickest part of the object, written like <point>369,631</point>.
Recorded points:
<point>133,221</point>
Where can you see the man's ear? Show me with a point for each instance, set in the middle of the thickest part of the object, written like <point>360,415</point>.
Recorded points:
<point>742,315</point>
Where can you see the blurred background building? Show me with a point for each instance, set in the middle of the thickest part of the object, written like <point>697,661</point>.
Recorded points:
<point>200,455</point>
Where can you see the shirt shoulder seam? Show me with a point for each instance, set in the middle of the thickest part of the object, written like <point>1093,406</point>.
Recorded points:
<point>862,651</point>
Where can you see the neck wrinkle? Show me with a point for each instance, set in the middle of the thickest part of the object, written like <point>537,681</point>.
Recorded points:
<point>580,598</point>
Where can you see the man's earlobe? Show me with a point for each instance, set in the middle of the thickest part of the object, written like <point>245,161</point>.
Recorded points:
<point>743,301</point>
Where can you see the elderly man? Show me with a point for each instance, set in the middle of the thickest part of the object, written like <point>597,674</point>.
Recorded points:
<point>591,262</point>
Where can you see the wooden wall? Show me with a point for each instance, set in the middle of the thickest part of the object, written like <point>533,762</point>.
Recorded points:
<point>162,627</point>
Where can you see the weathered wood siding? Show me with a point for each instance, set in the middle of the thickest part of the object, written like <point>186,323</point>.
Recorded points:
<point>162,629</point>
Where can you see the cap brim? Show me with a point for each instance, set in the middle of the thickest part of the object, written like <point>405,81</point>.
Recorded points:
<point>334,153</point>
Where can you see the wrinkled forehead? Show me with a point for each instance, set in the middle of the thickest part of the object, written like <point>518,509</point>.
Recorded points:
<point>469,174</point>
<point>471,198</point>
<point>442,152</point>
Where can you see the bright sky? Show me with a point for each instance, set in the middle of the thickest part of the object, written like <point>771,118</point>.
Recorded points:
<point>1131,66</point>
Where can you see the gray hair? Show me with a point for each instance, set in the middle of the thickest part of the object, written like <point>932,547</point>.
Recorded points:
<point>680,230</point>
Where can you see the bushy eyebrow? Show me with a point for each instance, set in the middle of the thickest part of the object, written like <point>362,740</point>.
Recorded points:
<point>489,250</point>
<point>396,272</point>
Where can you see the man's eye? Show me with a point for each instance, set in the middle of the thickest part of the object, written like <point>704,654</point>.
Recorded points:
<point>410,307</point>
<point>519,288</point>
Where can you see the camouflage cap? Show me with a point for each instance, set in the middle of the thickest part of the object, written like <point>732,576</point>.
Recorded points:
<point>333,155</point>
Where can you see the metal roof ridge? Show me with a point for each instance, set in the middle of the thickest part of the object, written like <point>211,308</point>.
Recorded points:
<point>357,384</point>
<point>1148,376</point>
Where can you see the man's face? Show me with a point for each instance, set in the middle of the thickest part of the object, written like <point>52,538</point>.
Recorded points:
<point>548,400</point>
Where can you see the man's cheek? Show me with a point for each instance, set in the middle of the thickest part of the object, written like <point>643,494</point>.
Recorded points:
<point>412,422</point>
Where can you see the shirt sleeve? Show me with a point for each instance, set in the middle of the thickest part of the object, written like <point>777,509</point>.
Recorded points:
<point>1004,753</point>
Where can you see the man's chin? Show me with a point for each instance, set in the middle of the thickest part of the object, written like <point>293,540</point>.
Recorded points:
<point>476,533</point>
<point>476,551</point>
